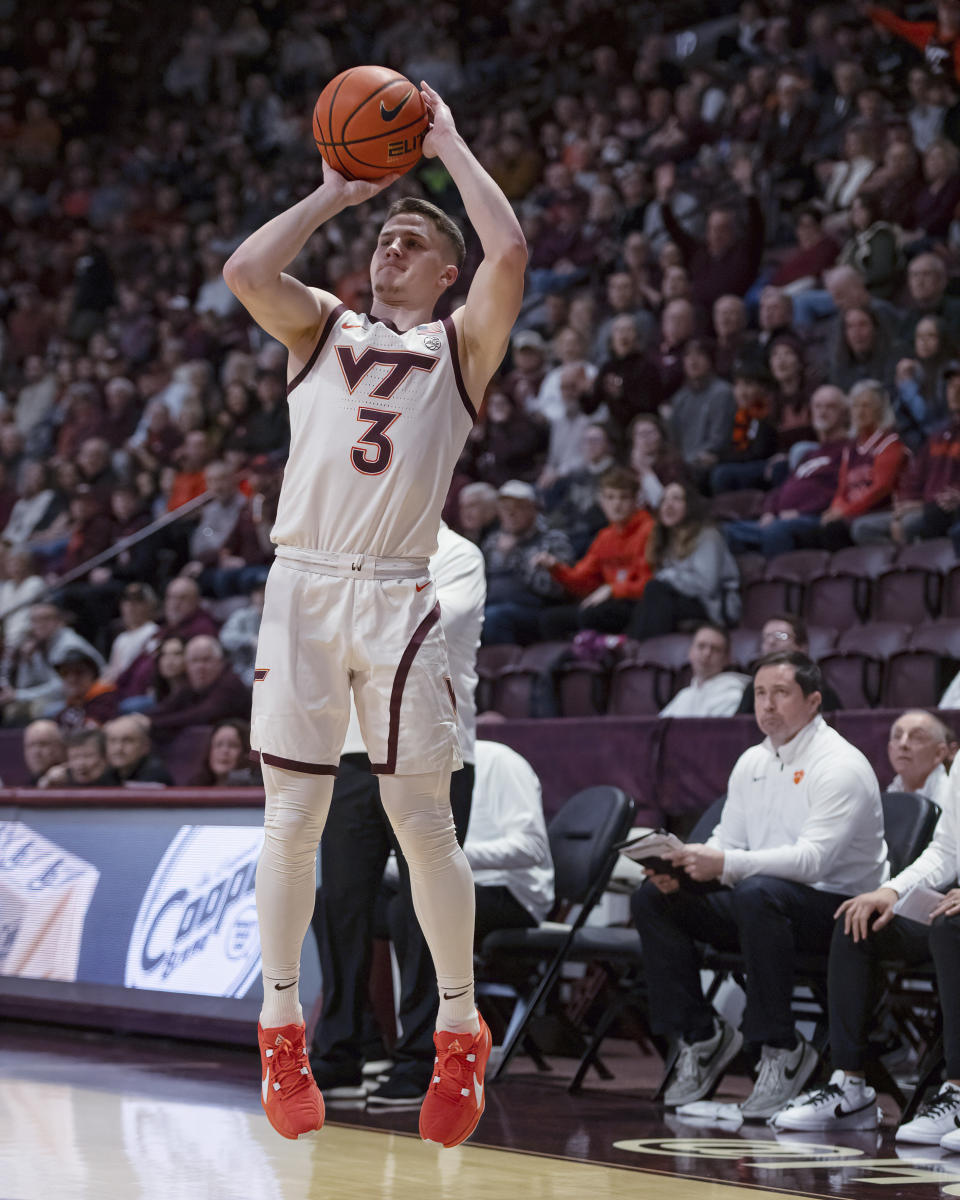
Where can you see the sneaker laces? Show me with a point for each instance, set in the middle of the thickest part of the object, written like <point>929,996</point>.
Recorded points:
<point>945,1101</point>
<point>770,1075</point>
<point>822,1095</point>
<point>453,1071</point>
<point>687,1065</point>
<point>289,1066</point>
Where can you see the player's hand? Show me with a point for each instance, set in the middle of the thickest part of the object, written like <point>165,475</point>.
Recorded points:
<point>858,910</point>
<point>949,906</point>
<point>701,863</point>
<point>663,883</point>
<point>353,191</point>
<point>441,125</point>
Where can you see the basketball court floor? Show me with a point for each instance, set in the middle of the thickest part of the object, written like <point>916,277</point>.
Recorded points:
<point>86,1117</point>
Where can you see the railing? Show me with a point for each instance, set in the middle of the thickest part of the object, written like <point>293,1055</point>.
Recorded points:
<point>111,552</point>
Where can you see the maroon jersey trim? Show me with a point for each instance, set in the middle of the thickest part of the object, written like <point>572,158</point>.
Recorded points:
<point>451,332</point>
<point>331,321</point>
<point>291,764</point>
<point>399,682</point>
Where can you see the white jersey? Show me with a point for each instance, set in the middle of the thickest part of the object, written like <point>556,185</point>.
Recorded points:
<point>378,419</point>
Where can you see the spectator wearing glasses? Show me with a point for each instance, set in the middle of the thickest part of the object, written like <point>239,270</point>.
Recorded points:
<point>781,634</point>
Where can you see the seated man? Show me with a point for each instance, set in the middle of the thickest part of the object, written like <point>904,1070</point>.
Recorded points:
<point>802,830</point>
<point>212,691</point>
<point>797,503</point>
<point>43,748</point>
<point>86,764</point>
<point>517,588</point>
<point>612,574</point>
<point>782,633</point>
<point>918,748</point>
<point>506,844</point>
<point>36,688</point>
<point>713,691</point>
<point>870,930</point>
<point>129,751</point>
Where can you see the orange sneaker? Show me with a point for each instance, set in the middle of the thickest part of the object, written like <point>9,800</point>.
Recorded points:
<point>290,1097</point>
<point>454,1100</point>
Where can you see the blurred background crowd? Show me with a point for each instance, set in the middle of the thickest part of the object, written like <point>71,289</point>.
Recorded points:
<point>740,332</point>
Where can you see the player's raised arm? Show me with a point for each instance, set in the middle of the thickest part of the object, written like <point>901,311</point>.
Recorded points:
<point>286,308</point>
<point>493,301</point>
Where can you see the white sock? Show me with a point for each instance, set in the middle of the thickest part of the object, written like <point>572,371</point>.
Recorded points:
<point>296,811</point>
<point>441,884</point>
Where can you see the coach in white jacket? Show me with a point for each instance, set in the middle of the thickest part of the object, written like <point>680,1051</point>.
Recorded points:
<point>866,932</point>
<point>802,830</point>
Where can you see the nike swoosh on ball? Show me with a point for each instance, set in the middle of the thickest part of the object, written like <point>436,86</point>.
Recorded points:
<point>388,114</point>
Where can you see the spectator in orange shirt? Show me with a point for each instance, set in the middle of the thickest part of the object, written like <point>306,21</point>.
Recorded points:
<point>939,40</point>
<point>190,479</point>
<point>611,576</point>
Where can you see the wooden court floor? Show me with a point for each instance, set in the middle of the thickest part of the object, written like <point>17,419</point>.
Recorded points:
<point>88,1117</point>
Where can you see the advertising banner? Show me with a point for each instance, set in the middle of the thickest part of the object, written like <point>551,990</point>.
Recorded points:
<point>136,901</point>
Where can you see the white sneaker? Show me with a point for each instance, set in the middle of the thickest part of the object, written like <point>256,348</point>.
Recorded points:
<point>934,1120</point>
<point>700,1064</point>
<point>951,1141</point>
<point>781,1076</point>
<point>846,1102</point>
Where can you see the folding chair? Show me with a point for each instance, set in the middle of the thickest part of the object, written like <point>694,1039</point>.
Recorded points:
<point>582,838</point>
<point>617,949</point>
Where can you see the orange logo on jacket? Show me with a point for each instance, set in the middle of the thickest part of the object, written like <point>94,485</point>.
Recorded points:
<point>797,776</point>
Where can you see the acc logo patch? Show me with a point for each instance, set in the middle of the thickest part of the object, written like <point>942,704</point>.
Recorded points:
<point>797,776</point>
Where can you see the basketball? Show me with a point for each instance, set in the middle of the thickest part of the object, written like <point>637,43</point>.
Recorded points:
<point>370,122</point>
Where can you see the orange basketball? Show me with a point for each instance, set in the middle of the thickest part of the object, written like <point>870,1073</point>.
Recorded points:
<point>369,122</point>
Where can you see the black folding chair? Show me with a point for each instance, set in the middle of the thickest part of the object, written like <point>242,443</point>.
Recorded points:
<point>582,838</point>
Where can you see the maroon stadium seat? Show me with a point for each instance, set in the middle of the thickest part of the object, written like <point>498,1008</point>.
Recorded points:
<point>514,691</point>
<point>490,662</point>
<point>856,668</point>
<point>918,675</point>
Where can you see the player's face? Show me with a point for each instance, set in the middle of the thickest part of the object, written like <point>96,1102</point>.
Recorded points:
<point>409,264</point>
<point>780,706</point>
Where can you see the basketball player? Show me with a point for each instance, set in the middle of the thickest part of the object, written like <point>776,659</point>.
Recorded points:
<point>380,407</point>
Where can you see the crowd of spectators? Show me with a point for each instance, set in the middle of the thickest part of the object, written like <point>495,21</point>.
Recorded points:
<point>744,275</point>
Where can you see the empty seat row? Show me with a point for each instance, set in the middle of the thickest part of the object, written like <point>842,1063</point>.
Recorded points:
<point>861,583</point>
<point>886,664</point>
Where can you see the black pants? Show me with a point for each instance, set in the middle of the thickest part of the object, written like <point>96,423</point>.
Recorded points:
<point>661,609</point>
<point>766,919</point>
<point>356,842</point>
<point>855,980</point>
<point>609,617</point>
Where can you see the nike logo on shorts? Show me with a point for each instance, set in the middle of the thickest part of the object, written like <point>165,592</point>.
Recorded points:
<point>421,586</point>
<point>389,114</point>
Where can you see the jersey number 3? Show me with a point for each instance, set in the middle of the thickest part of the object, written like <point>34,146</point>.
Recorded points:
<point>374,451</point>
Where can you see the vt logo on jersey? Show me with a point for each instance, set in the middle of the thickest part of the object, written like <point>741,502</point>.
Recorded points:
<point>402,363</point>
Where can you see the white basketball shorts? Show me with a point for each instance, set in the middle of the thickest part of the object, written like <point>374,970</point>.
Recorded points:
<point>332,622</point>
